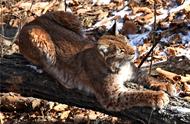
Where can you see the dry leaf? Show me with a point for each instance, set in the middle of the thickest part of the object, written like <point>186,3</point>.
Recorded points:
<point>82,11</point>
<point>180,1</point>
<point>64,114</point>
<point>171,51</point>
<point>92,115</point>
<point>187,98</point>
<point>36,103</point>
<point>60,107</point>
<point>80,118</point>
<point>102,15</point>
<point>129,27</point>
<point>2,117</point>
<point>186,87</point>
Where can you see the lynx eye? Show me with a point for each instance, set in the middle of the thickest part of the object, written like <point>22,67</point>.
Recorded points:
<point>122,50</point>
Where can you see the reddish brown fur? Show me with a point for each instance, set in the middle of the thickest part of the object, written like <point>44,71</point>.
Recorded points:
<point>56,42</point>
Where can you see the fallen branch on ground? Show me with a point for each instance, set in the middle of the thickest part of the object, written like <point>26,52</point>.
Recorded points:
<point>173,76</point>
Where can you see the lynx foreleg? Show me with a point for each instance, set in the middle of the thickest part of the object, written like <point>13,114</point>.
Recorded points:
<point>117,100</point>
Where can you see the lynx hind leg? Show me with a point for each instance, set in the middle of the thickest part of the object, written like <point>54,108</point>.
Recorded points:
<point>36,45</point>
<point>167,87</point>
<point>118,100</point>
<point>155,84</point>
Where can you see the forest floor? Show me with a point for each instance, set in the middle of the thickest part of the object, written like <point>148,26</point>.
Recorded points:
<point>133,19</point>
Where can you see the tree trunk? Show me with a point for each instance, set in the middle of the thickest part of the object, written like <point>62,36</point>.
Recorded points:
<point>16,76</point>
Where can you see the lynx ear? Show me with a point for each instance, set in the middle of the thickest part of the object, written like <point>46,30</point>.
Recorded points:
<point>103,49</point>
<point>114,29</point>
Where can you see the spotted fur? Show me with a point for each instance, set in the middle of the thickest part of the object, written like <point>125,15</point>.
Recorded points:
<point>56,42</point>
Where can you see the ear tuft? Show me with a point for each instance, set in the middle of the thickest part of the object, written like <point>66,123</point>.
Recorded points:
<point>114,29</point>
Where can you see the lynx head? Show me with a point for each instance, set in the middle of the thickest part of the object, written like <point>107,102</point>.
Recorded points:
<point>115,51</point>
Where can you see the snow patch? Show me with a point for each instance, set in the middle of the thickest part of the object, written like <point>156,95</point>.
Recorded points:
<point>138,39</point>
<point>185,38</point>
<point>35,68</point>
<point>181,109</point>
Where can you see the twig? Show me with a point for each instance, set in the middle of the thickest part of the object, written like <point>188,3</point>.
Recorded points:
<point>147,55</point>
<point>149,120</point>
<point>2,28</point>
<point>154,42</point>
<point>65,2</point>
<point>154,34</point>
<point>17,33</point>
<point>172,11</point>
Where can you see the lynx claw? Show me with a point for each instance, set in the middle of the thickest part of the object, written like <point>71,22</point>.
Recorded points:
<point>171,89</point>
<point>162,100</point>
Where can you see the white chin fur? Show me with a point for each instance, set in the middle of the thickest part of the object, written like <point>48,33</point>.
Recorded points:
<point>125,73</point>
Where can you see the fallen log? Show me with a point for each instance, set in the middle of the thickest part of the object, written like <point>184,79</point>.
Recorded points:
<point>16,76</point>
<point>14,102</point>
<point>173,76</point>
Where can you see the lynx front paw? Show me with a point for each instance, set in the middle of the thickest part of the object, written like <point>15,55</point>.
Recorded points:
<point>161,100</point>
<point>167,87</point>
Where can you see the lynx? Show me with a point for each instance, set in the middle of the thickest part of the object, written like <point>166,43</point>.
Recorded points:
<point>55,41</point>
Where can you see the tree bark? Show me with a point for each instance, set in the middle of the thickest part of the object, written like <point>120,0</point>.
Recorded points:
<point>16,76</point>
